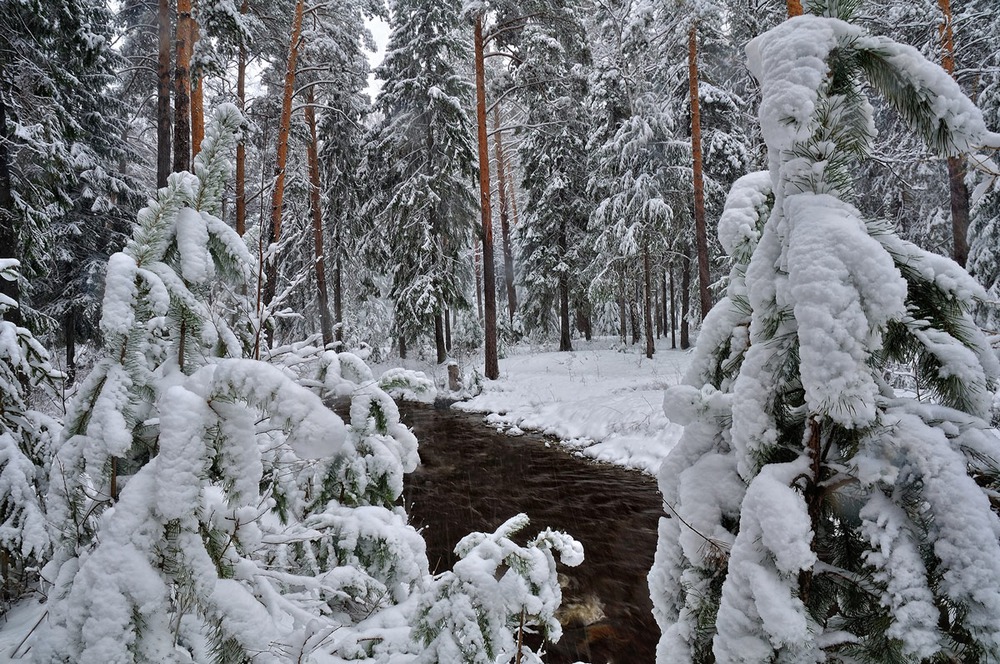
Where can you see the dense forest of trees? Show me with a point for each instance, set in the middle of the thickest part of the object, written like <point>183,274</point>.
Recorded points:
<point>612,132</point>
<point>202,207</point>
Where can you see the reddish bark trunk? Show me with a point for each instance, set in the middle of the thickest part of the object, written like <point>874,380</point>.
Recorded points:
<point>281,156</point>
<point>182,88</point>
<point>315,205</point>
<point>489,277</point>
<point>701,235</point>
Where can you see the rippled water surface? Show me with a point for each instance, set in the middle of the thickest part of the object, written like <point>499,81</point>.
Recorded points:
<point>474,478</point>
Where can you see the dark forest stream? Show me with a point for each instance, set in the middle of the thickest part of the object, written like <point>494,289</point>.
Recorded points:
<point>474,478</point>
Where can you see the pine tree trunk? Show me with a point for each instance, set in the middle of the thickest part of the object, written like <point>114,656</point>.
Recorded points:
<point>489,277</point>
<point>241,150</point>
<point>701,235</point>
<point>402,347</point>
<point>508,258</point>
<point>623,311</point>
<point>633,310</point>
<point>447,330</point>
<point>163,94</point>
<point>477,266</point>
<point>565,343</point>
<point>657,306</point>
<point>439,342</point>
<point>957,189</point>
<point>794,8</point>
<point>685,298</point>
<point>673,308</point>
<point>338,300</point>
<point>312,150</point>
<point>9,245</point>
<point>648,275</point>
<point>281,156</point>
<point>197,100</point>
<point>182,88</point>
<point>512,194</point>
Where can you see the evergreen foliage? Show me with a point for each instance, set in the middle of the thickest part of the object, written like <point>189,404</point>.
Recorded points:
<point>423,157</point>
<point>818,514</point>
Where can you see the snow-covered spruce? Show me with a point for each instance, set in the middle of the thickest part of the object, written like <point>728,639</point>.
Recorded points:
<point>26,443</point>
<point>817,515</point>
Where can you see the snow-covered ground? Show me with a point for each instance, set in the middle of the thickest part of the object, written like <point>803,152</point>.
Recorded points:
<point>602,401</point>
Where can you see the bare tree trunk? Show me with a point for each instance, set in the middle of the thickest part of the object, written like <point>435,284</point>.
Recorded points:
<point>633,309</point>
<point>489,278</point>
<point>512,194</point>
<point>439,342</point>
<point>565,343</point>
<point>281,155</point>
<point>648,274</point>
<point>956,166</point>
<point>447,330</point>
<point>479,278</point>
<point>163,93</point>
<point>701,235</point>
<point>402,347</point>
<point>673,309</point>
<point>241,150</point>
<point>685,299</point>
<point>794,8</point>
<point>182,89</point>
<point>338,299</point>
<point>623,311</point>
<point>657,306</point>
<point>508,258</point>
<point>312,153</point>
<point>197,100</point>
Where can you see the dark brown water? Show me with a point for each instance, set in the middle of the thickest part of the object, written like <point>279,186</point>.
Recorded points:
<point>473,478</point>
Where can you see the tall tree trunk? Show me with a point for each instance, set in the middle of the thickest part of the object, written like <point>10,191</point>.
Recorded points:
<point>182,88</point>
<point>701,235</point>
<point>633,309</point>
<point>447,330</point>
<point>956,165</point>
<point>673,308</point>
<point>648,278</point>
<point>657,305</point>
<point>281,155</point>
<point>402,347</point>
<point>163,93</point>
<point>489,277</point>
<point>565,344</point>
<point>338,299</point>
<point>439,342</point>
<point>685,298</point>
<point>508,258</point>
<point>794,8</point>
<point>9,245</point>
<point>623,310</point>
<point>241,150</point>
<point>477,266</point>
<point>312,153</point>
<point>197,99</point>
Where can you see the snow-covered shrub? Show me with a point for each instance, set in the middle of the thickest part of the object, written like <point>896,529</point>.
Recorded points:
<point>817,515</point>
<point>474,613</point>
<point>26,442</point>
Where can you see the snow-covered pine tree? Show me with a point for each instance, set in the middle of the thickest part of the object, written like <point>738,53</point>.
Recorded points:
<point>634,156</point>
<point>424,157</point>
<point>553,154</point>
<point>26,446</point>
<point>816,513</point>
